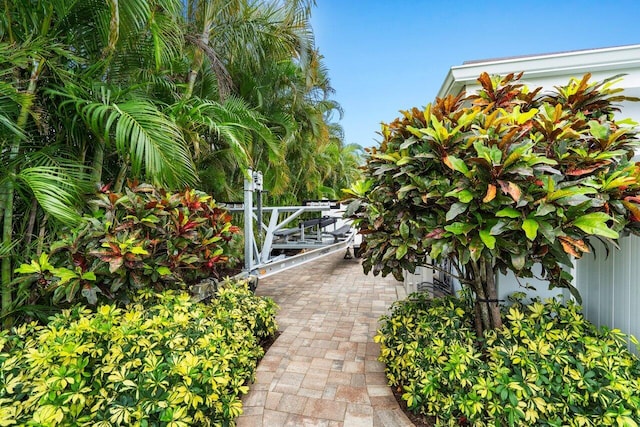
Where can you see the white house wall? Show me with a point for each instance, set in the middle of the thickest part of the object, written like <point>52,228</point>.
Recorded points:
<point>610,287</point>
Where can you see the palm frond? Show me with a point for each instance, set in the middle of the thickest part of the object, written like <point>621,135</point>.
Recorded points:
<point>54,188</point>
<point>261,31</point>
<point>152,142</point>
<point>10,101</point>
<point>134,15</point>
<point>231,122</point>
<point>7,248</point>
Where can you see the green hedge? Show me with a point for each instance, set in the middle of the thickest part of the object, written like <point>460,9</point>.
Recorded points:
<point>547,367</point>
<point>161,361</point>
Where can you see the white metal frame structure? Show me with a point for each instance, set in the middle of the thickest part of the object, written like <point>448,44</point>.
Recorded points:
<point>258,259</point>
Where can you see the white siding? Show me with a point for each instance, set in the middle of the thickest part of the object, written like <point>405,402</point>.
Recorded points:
<point>610,286</point>
<point>508,284</point>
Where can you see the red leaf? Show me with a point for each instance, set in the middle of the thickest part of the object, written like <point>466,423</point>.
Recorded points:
<point>543,250</point>
<point>485,82</point>
<point>80,261</point>
<point>189,225</point>
<point>115,248</point>
<point>575,247</point>
<point>574,171</point>
<point>511,189</point>
<point>436,234</point>
<point>633,209</point>
<point>447,162</point>
<point>569,249</point>
<point>508,137</point>
<point>114,264</point>
<point>577,243</point>
<point>378,222</point>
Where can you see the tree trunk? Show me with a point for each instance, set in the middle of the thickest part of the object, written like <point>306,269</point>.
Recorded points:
<point>122,176</point>
<point>492,296</point>
<point>41,235</point>
<point>487,307</point>
<point>114,29</point>
<point>28,235</point>
<point>96,163</point>
<point>7,240</point>
<point>7,217</point>
<point>198,59</point>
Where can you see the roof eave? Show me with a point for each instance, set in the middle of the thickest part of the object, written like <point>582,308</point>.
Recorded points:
<point>615,59</point>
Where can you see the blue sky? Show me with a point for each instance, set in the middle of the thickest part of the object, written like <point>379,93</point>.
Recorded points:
<point>389,55</point>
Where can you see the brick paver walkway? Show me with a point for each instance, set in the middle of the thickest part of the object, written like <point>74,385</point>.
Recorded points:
<point>322,370</point>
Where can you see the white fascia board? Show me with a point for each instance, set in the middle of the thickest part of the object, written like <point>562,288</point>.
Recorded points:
<point>614,60</point>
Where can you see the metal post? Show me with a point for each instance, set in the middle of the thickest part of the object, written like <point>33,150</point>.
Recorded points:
<point>259,208</point>
<point>248,222</point>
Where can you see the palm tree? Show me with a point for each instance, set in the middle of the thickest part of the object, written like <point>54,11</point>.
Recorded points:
<point>166,91</point>
<point>37,175</point>
<point>66,97</point>
<point>237,48</point>
<point>294,96</point>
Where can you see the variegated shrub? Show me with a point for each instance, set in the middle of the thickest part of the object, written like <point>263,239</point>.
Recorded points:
<point>547,367</point>
<point>161,361</point>
<point>141,237</point>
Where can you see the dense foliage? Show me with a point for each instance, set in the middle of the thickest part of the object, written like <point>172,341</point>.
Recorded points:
<point>547,367</point>
<point>141,238</point>
<point>161,361</point>
<point>501,180</point>
<point>171,92</point>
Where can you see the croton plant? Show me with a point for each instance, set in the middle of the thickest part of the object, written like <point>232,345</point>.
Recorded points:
<point>500,180</point>
<point>141,237</point>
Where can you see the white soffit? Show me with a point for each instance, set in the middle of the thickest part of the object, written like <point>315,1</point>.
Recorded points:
<point>614,59</point>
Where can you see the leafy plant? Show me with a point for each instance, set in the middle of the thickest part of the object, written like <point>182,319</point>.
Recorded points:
<point>163,360</point>
<point>499,181</point>
<point>547,366</point>
<point>142,237</point>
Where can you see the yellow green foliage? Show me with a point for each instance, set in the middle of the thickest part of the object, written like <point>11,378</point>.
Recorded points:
<point>547,367</point>
<point>161,361</point>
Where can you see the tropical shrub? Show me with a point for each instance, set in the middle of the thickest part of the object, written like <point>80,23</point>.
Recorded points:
<point>163,360</point>
<point>139,238</point>
<point>503,180</point>
<point>547,366</point>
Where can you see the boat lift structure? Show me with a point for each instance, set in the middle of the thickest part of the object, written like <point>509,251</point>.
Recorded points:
<point>269,252</point>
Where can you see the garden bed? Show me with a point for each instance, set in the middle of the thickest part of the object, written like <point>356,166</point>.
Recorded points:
<point>162,360</point>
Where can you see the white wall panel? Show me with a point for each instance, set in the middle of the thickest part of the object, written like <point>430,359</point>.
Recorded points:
<point>508,284</point>
<point>609,286</point>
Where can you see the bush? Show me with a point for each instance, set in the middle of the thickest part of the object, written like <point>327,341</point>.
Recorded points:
<point>136,239</point>
<point>504,180</point>
<point>161,361</point>
<point>547,367</point>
